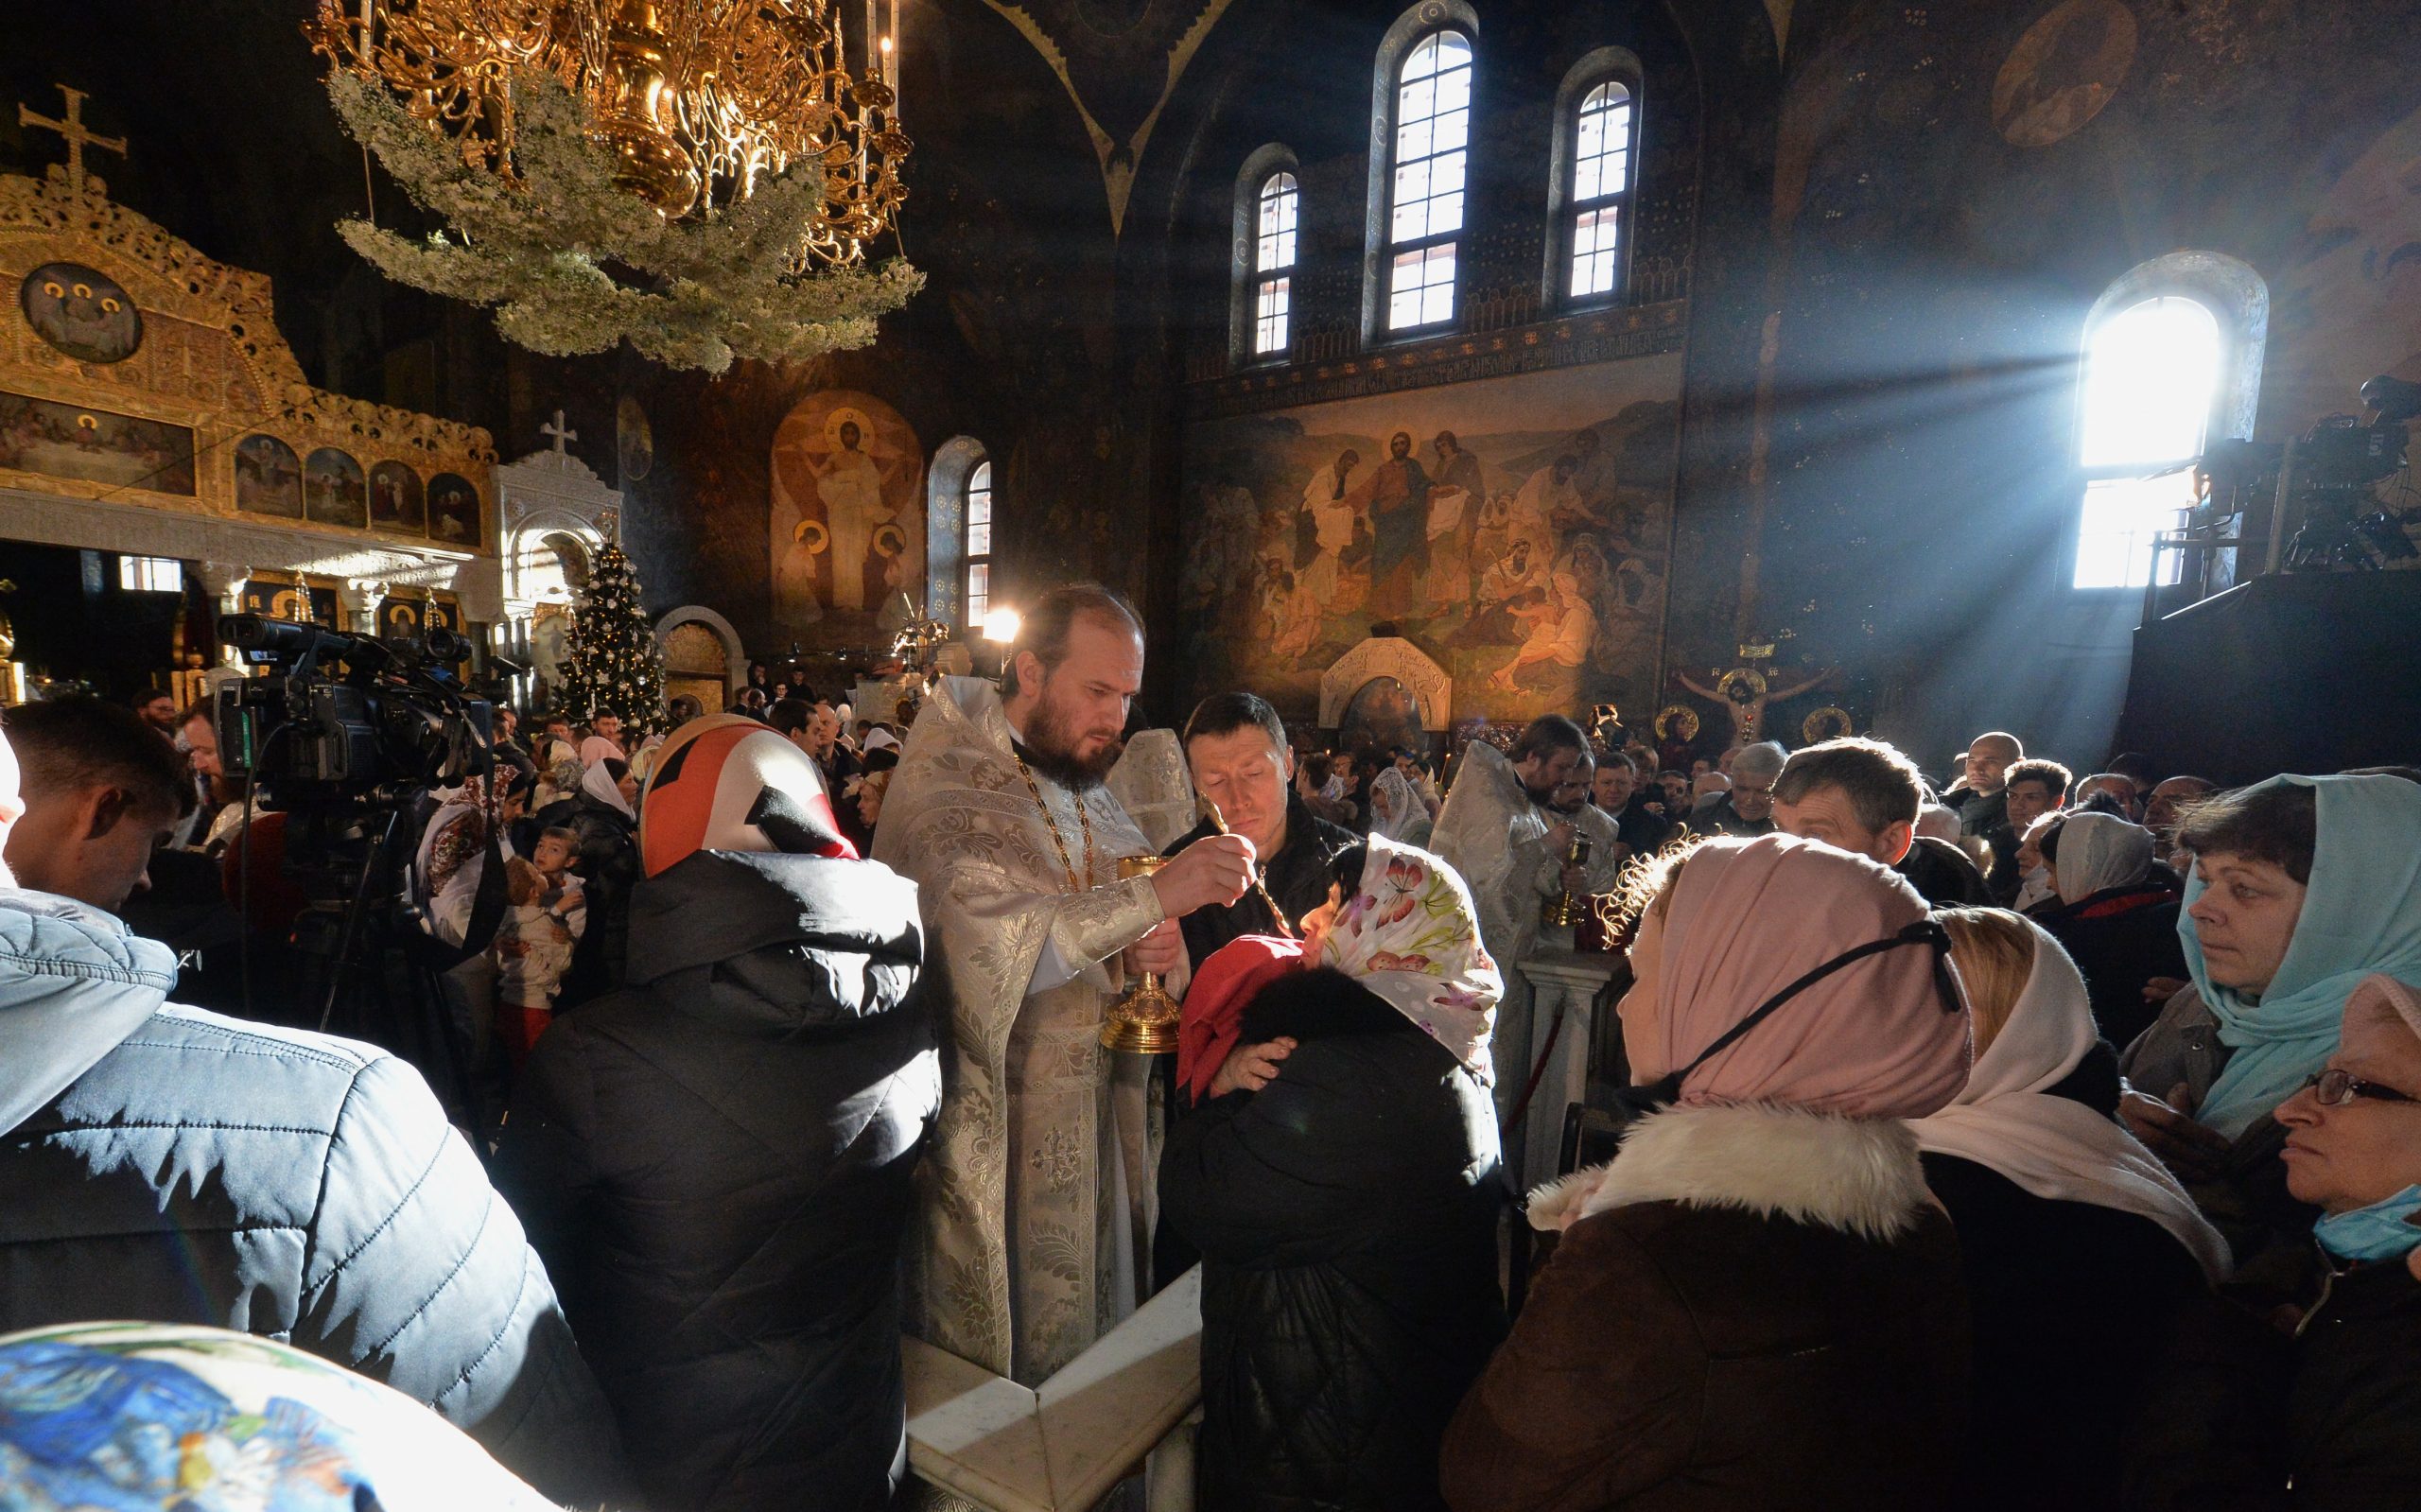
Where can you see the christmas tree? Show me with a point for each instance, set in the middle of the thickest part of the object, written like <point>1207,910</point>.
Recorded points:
<point>617,667</point>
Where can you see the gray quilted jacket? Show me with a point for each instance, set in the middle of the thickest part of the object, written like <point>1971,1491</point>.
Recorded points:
<point>170,1165</point>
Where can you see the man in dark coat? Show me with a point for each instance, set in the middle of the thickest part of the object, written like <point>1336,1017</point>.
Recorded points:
<point>163,1163</point>
<point>1236,747</point>
<point>1863,796</point>
<point>717,1158</point>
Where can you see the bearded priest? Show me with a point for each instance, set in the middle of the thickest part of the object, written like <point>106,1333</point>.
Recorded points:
<point>1037,1184</point>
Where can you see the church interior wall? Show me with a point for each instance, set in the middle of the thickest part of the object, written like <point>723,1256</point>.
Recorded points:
<point>1878,291</point>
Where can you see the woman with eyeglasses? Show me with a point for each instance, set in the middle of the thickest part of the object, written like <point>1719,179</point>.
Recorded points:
<point>1757,1303</point>
<point>2302,887</point>
<point>2313,1406</point>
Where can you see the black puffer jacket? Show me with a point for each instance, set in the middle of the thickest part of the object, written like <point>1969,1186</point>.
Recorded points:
<point>718,1159</point>
<point>1347,1218</point>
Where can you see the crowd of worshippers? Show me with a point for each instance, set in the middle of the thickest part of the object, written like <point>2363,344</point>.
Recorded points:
<point>2020,1142</point>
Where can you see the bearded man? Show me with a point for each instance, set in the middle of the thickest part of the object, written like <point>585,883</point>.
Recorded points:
<point>1508,826</point>
<point>1038,1191</point>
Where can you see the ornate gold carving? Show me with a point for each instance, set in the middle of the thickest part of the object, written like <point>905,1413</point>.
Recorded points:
<point>211,360</point>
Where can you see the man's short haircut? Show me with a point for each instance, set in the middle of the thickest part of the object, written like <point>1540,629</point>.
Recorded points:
<point>145,697</point>
<point>1881,785</point>
<point>1765,760</point>
<point>73,744</point>
<point>201,708</point>
<point>2016,747</point>
<point>2054,777</point>
<point>1227,713</point>
<point>1618,758</point>
<point>790,715</point>
<point>2273,822</point>
<point>1317,768</point>
<point>1046,625</point>
<point>1548,733</point>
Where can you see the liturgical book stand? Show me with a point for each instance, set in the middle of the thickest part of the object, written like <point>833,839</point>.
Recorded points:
<point>1062,1447</point>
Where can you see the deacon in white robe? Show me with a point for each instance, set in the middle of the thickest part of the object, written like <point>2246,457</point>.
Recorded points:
<point>1037,1186</point>
<point>1499,831</point>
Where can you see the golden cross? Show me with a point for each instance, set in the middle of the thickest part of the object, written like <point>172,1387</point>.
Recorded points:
<point>78,137</point>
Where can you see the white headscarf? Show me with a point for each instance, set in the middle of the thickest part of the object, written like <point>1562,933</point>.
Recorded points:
<point>1392,792</point>
<point>598,784</point>
<point>2099,851</point>
<point>2055,1147</point>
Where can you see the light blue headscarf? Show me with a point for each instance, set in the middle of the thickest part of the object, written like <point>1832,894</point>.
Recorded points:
<point>2362,913</point>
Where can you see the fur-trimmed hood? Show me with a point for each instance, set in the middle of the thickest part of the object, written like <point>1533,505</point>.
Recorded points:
<point>1860,1175</point>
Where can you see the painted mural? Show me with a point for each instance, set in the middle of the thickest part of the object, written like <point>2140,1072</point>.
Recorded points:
<point>847,527</point>
<point>1517,529</point>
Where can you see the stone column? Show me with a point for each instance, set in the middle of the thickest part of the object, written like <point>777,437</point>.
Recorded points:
<point>224,582</point>
<point>1563,984</point>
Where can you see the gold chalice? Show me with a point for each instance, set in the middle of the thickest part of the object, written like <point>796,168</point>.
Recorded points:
<point>1144,1020</point>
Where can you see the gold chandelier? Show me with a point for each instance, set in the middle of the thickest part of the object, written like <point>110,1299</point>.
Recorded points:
<point>698,100</point>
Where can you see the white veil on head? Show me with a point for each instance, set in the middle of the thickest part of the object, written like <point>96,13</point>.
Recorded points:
<point>2099,852</point>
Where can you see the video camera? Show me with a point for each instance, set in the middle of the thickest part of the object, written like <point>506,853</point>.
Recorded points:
<point>345,718</point>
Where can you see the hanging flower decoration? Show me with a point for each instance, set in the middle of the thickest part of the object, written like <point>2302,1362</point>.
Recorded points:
<point>573,263</point>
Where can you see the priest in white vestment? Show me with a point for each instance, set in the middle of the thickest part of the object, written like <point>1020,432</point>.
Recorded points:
<point>1502,830</point>
<point>1037,1189</point>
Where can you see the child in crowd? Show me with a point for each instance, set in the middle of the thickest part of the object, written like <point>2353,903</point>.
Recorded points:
<point>533,945</point>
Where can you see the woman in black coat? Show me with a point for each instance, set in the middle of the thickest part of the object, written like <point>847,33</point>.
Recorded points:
<point>2116,918</point>
<point>2076,1244</point>
<point>716,1162</point>
<point>601,814</point>
<point>1345,1207</point>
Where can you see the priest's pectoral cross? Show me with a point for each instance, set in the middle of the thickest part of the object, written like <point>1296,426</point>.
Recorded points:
<point>72,127</point>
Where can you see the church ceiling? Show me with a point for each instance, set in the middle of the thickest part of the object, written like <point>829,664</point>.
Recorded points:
<point>1120,62</point>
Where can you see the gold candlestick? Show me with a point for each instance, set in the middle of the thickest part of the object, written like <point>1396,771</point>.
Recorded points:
<point>1562,910</point>
<point>1144,1020</point>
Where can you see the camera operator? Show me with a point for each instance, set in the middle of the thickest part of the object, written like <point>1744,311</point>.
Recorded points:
<point>167,1164</point>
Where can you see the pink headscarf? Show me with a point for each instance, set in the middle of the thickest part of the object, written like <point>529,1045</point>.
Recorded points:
<point>1747,918</point>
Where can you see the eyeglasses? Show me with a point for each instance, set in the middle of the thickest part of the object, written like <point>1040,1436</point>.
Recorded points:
<point>2335,1089</point>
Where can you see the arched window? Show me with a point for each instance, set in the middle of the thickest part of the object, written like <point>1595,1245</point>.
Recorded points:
<point>1273,264</point>
<point>979,543</point>
<point>1592,172</point>
<point>1601,180</point>
<point>2151,375</point>
<point>1427,157</point>
<point>2172,357</point>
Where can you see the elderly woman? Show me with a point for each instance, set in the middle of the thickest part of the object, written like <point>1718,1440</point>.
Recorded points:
<point>1339,1178</point>
<point>2115,917</point>
<point>1757,1304</point>
<point>2077,1243</point>
<point>2312,1406</point>
<point>2302,887</point>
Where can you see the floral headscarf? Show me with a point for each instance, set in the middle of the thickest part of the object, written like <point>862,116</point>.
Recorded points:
<point>1410,934</point>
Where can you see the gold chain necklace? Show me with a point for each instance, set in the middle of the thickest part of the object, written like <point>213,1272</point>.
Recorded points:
<point>1075,883</point>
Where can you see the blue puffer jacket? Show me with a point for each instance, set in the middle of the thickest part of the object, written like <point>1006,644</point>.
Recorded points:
<point>170,1165</point>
